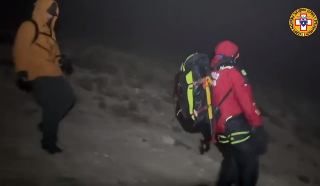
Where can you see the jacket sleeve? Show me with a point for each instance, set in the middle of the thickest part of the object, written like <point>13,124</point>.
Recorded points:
<point>243,93</point>
<point>22,46</point>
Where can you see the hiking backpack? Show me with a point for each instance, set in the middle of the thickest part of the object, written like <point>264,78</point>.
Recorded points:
<point>195,84</point>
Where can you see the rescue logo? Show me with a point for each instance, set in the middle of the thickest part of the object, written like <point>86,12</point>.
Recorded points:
<point>303,22</point>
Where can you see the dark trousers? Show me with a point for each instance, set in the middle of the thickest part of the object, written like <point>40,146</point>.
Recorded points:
<point>240,164</point>
<point>56,98</point>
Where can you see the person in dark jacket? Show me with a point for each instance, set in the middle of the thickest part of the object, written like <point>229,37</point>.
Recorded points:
<point>239,133</point>
<point>40,68</point>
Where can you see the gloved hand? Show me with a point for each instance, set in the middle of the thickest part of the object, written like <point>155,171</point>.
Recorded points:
<point>66,65</point>
<point>204,145</point>
<point>22,81</point>
<point>260,137</point>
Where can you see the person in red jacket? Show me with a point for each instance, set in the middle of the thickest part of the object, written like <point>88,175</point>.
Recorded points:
<point>239,133</point>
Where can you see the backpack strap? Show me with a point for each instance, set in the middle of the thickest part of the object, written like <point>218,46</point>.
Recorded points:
<point>225,97</point>
<point>36,30</point>
<point>216,110</point>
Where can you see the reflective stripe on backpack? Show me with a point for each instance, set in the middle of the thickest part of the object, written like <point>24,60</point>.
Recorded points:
<point>206,83</point>
<point>189,78</point>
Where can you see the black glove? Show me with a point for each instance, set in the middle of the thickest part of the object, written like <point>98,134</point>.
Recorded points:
<point>66,65</point>
<point>22,81</point>
<point>260,137</point>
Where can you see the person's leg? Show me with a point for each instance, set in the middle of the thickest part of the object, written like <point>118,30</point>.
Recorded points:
<point>249,172</point>
<point>40,125</point>
<point>51,117</point>
<point>63,100</point>
<point>228,173</point>
<point>248,162</point>
<point>206,131</point>
<point>69,98</point>
<point>56,98</point>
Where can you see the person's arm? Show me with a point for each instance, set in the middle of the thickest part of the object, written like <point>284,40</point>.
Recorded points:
<point>244,96</point>
<point>22,46</point>
<point>63,61</point>
<point>243,93</point>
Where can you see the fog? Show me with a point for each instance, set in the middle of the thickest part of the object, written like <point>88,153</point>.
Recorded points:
<point>269,50</point>
<point>121,131</point>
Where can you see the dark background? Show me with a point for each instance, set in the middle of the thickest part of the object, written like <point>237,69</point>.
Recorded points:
<point>271,53</point>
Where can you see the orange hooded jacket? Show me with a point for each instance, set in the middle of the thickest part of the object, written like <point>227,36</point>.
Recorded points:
<point>41,57</point>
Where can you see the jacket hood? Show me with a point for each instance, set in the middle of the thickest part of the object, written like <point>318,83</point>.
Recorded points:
<point>41,10</point>
<point>225,49</point>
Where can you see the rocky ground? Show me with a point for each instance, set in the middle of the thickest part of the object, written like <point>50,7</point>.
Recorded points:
<point>121,130</point>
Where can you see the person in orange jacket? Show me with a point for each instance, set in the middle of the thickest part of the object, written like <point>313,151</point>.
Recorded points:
<point>40,68</point>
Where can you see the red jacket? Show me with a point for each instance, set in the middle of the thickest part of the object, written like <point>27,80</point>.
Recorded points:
<point>226,76</point>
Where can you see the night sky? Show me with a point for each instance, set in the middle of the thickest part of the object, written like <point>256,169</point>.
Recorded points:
<point>272,54</point>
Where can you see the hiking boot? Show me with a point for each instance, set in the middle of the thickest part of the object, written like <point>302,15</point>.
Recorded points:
<point>51,149</point>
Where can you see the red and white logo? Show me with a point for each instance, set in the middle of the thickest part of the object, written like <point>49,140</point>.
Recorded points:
<point>303,22</point>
